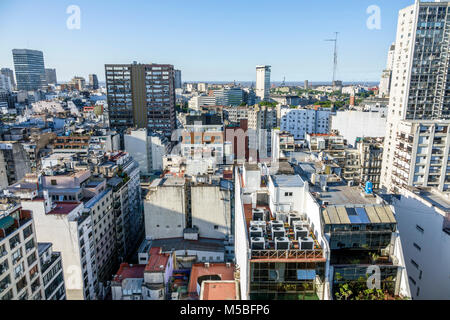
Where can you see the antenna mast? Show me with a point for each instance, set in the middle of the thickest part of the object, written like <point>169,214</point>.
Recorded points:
<point>335,56</point>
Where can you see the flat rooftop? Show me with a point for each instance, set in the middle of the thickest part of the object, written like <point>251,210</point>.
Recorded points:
<point>157,261</point>
<point>287,181</point>
<point>437,199</point>
<point>219,290</point>
<point>64,207</point>
<point>369,214</point>
<point>222,270</point>
<point>127,271</point>
<point>342,194</point>
<point>170,181</point>
<point>202,244</point>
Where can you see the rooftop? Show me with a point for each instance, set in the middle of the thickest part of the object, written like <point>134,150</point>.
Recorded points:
<point>64,207</point>
<point>287,181</point>
<point>441,200</point>
<point>157,261</point>
<point>170,181</point>
<point>202,244</point>
<point>370,214</point>
<point>341,194</point>
<point>219,290</point>
<point>200,270</point>
<point>127,271</point>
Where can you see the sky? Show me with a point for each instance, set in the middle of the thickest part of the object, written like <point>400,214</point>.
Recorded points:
<point>208,40</point>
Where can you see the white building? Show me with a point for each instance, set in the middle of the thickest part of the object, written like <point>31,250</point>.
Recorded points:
<point>423,216</point>
<point>415,96</point>
<point>352,124</point>
<point>64,225</point>
<point>263,82</point>
<point>299,122</point>
<point>386,76</point>
<point>147,150</point>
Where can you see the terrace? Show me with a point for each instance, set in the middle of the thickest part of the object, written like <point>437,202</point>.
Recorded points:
<point>269,248</point>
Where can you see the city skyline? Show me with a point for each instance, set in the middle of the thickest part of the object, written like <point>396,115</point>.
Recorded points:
<point>202,34</point>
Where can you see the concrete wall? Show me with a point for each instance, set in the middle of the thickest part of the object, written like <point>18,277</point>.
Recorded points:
<point>165,207</point>
<point>211,211</point>
<point>136,145</point>
<point>433,259</point>
<point>353,124</point>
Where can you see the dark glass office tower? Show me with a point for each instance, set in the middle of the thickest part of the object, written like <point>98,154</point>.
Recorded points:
<point>30,70</point>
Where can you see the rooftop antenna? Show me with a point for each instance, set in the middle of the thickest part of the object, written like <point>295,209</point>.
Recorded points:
<point>284,82</point>
<point>335,56</point>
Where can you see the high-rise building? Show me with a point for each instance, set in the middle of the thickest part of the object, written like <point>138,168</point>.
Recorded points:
<point>177,79</point>
<point>10,74</point>
<point>78,83</point>
<point>263,82</point>
<point>93,81</point>
<point>306,85</point>
<point>386,76</point>
<point>50,75</point>
<point>30,70</point>
<point>5,82</point>
<point>141,95</point>
<point>418,122</point>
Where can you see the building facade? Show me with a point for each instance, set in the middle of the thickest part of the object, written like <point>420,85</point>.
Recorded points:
<point>30,70</point>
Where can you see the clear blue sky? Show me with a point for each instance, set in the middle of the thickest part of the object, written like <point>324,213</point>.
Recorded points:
<point>207,39</point>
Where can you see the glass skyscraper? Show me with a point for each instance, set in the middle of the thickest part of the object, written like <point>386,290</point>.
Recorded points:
<point>30,70</point>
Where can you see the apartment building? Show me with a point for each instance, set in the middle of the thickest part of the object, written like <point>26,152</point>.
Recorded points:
<point>20,272</point>
<point>263,82</point>
<point>419,98</point>
<point>331,145</point>
<point>14,163</point>
<point>423,216</point>
<point>142,96</point>
<point>52,272</point>
<point>304,240</point>
<point>300,122</point>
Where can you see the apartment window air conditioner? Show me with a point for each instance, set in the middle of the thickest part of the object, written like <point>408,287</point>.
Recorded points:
<point>258,243</point>
<point>256,232</point>
<point>282,243</point>
<point>306,243</point>
<point>278,232</point>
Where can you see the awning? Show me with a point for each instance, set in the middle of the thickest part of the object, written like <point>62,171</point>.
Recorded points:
<point>6,222</point>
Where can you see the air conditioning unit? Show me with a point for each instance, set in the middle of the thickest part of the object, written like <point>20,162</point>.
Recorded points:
<point>258,214</point>
<point>301,224</point>
<point>292,218</point>
<point>282,243</point>
<point>300,232</point>
<point>258,224</point>
<point>255,232</point>
<point>258,243</point>
<point>278,232</point>
<point>276,223</point>
<point>306,243</point>
<point>281,216</point>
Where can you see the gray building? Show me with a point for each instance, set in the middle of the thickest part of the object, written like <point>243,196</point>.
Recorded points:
<point>30,70</point>
<point>10,74</point>
<point>93,81</point>
<point>50,75</point>
<point>178,83</point>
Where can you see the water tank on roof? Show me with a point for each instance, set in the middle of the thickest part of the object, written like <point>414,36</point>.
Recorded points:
<point>369,187</point>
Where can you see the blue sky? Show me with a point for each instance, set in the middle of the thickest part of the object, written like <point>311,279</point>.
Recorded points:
<point>207,39</point>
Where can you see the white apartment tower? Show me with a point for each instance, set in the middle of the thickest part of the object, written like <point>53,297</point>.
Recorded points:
<point>263,82</point>
<point>386,76</point>
<point>417,132</point>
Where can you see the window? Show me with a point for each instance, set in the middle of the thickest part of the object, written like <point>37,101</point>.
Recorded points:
<point>216,227</point>
<point>417,246</point>
<point>412,280</point>
<point>288,194</point>
<point>414,264</point>
<point>419,228</point>
<point>53,182</point>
